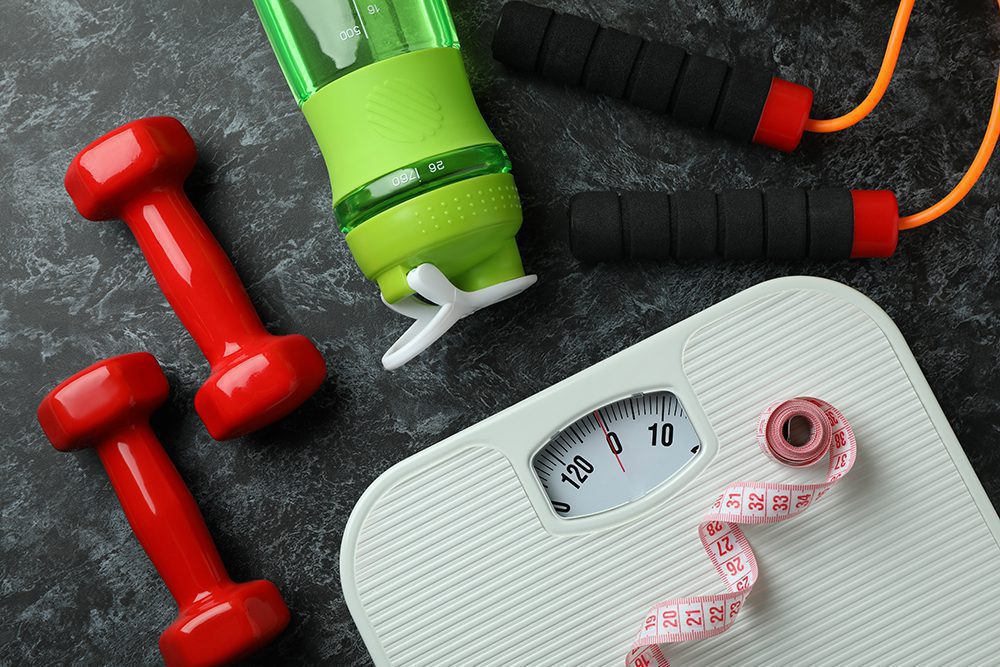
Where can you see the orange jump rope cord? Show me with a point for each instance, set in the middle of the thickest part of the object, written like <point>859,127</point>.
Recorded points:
<point>875,96</point>
<point>881,83</point>
<point>971,176</point>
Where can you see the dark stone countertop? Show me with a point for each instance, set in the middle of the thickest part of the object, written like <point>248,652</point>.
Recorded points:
<point>76,587</point>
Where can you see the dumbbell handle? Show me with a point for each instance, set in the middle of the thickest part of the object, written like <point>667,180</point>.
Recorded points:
<point>194,272</point>
<point>162,513</point>
<point>779,224</point>
<point>745,103</point>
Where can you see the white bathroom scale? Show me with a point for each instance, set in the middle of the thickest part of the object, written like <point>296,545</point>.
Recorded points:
<point>542,535</point>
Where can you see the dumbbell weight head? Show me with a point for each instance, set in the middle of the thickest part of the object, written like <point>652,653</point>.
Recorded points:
<point>269,378</point>
<point>230,624</point>
<point>127,162</point>
<point>101,399</point>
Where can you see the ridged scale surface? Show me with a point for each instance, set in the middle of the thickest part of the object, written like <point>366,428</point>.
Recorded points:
<point>894,566</point>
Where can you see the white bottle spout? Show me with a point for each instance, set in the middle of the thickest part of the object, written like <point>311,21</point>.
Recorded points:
<point>448,304</point>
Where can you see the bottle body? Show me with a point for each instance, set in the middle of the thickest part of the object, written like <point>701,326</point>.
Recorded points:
<point>417,176</point>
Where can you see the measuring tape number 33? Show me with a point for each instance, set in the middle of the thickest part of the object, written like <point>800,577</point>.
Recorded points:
<point>754,503</point>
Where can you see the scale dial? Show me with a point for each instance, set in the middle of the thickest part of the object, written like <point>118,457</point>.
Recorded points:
<point>616,454</point>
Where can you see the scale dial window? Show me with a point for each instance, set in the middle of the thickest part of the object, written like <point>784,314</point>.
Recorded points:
<point>616,454</point>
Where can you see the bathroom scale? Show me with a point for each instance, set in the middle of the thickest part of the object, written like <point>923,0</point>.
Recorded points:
<point>542,535</point>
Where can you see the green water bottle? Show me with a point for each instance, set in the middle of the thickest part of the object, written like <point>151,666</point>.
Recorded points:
<point>421,187</point>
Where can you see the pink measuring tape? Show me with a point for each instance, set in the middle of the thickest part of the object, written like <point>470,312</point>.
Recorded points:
<point>687,619</point>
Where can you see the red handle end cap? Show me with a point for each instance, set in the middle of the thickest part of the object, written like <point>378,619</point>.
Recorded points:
<point>786,111</point>
<point>876,223</point>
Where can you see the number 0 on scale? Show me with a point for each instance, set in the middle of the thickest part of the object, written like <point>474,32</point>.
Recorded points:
<point>616,454</point>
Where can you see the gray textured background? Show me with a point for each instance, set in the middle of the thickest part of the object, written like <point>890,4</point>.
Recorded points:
<point>76,588</point>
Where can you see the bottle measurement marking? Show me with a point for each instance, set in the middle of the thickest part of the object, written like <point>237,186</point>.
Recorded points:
<point>405,176</point>
<point>358,12</point>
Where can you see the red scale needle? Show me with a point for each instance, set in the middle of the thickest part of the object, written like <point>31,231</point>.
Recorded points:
<point>600,422</point>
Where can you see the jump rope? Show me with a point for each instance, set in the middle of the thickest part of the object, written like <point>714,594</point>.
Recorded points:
<point>743,102</point>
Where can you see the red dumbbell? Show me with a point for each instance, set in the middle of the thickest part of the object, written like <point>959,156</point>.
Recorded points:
<point>108,406</point>
<point>137,173</point>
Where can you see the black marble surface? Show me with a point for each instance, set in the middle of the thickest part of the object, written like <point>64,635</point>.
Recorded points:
<point>76,588</point>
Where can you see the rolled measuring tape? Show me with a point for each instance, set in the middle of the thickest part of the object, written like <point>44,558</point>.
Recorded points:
<point>754,503</point>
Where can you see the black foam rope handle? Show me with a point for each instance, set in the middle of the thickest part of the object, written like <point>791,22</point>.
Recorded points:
<point>703,91</point>
<point>779,224</point>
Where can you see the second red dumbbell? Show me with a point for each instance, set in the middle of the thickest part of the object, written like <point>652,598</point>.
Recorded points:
<point>137,173</point>
<point>107,406</point>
